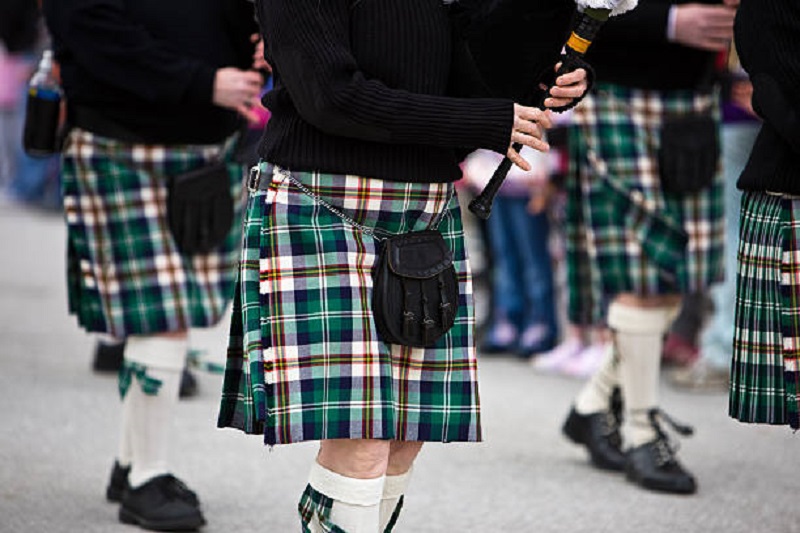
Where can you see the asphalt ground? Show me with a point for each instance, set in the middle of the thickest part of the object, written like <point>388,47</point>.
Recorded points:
<point>59,430</point>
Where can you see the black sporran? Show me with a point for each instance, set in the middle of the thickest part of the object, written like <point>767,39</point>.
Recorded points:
<point>415,295</point>
<point>415,287</point>
<point>200,208</point>
<point>689,153</point>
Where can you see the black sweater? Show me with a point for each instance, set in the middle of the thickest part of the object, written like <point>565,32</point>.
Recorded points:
<point>148,66</point>
<point>767,33</point>
<point>632,50</point>
<point>387,88</point>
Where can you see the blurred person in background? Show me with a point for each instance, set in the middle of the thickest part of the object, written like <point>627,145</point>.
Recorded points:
<point>155,96</point>
<point>24,179</point>
<point>647,200</point>
<point>765,373</point>
<point>710,368</point>
<point>523,317</point>
<point>19,34</point>
<point>583,346</point>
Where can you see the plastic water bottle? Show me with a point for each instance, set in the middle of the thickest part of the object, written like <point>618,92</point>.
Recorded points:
<point>40,135</point>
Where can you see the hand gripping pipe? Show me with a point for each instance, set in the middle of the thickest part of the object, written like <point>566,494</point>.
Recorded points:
<point>585,29</point>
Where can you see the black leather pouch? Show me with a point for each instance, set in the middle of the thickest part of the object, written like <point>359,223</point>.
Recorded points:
<point>415,289</point>
<point>689,153</point>
<point>200,208</point>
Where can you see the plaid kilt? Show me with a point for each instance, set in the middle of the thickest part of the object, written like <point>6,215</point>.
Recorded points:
<point>766,348</point>
<point>125,275</point>
<point>304,360</point>
<point>624,234</point>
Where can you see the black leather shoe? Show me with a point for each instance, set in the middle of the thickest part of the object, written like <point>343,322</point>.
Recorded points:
<point>189,386</point>
<point>599,432</point>
<point>157,506</point>
<point>653,465</point>
<point>118,483</point>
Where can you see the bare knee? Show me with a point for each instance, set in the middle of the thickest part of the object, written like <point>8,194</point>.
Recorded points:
<point>356,458</point>
<point>401,456</point>
<point>633,300</point>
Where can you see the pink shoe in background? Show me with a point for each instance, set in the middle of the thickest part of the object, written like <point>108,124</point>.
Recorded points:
<point>678,351</point>
<point>585,363</point>
<point>553,360</point>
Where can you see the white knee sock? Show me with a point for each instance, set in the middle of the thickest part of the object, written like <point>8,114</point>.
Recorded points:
<point>147,418</point>
<point>356,506</point>
<point>638,336</point>
<point>393,490</point>
<point>595,395</point>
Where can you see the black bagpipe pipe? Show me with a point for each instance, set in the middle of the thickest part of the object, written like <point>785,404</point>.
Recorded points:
<point>586,26</point>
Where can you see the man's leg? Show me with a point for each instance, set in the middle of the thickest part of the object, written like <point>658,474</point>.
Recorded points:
<point>345,487</point>
<point>398,475</point>
<point>149,383</point>
<point>638,326</point>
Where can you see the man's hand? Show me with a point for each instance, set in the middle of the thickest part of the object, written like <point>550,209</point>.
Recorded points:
<point>568,87</point>
<point>259,63</point>
<point>529,126</point>
<point>238,90</point>
<point>703,26</point>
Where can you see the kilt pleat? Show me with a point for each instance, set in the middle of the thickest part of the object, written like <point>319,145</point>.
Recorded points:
<point>305,361</point>
<point>125,274</point>
<point>624,233</point>
<point>766,349</point>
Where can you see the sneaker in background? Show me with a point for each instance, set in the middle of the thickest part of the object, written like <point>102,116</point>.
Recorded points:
<point>678,351</point>
<point>586,362</point>
<point>700,376</point>
<point>553,360</point>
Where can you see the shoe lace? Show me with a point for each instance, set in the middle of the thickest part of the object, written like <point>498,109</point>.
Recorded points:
<point>665,446</point>
<point>612,420</point>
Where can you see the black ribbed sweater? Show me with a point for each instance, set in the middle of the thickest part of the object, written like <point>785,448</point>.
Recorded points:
<point>767,38</point>
<point>378,88</point>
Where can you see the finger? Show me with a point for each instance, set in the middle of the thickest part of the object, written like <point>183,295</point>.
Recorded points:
<point>555,103</point>
<point>531,141</point>
<point>518,160</point>
<point>249,76</point>
<point>248,113</point>
<point>571,78</point>
<point>572,91</point>
<point>714,45</point>
<point>527,127</point>
<point>532,114</point>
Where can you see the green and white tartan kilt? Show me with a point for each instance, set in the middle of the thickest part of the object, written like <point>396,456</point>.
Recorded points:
<point>305,361</point>
<point>624,234</point>
<point>765,387</point>
<point>125,274</point>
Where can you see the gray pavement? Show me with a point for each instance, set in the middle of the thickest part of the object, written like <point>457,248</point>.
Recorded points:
<point>58,435</point>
